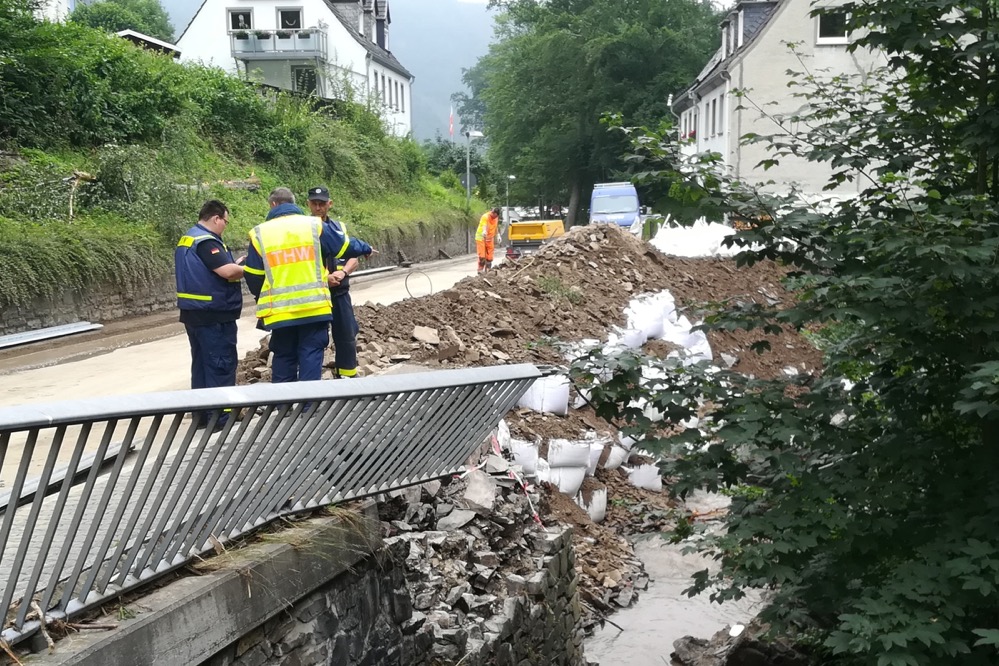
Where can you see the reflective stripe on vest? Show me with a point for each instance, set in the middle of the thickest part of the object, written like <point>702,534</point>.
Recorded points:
<point>343,248</point>
<point>295,284</point>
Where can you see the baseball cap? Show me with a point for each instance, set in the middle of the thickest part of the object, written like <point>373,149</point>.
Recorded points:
<point>319,194</point>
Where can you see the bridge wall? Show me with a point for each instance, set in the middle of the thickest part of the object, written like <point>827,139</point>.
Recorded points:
<point>328,591</point>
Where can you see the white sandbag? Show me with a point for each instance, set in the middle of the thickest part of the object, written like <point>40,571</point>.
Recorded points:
<point>548,394</point>
<point>597,506</point>
<point>503,435</point>
<point>568,453</point>
<point>525,454</point>
<point>616,457</point>
<point>567,479</point>
<point>627,338</point>
<point>645,314</point>
<point>596,450</point>
<point>626,441</point>
<point>647,477</point>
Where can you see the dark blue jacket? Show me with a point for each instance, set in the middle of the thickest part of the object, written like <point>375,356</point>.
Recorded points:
<point>199,287</point>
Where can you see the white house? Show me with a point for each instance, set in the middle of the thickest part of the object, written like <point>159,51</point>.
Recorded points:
<point>56,10</point>
<point>331,48</point>
<point>754,56</point>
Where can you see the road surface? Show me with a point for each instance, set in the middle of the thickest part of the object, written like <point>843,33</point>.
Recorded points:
<point>151,353</point>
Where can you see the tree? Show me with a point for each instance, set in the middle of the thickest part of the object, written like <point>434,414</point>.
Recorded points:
<point>558,66</point>
<point>145,16</point>
<point>865,498</point>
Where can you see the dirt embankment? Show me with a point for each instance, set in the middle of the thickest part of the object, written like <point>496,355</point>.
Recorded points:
<point>576,288</point>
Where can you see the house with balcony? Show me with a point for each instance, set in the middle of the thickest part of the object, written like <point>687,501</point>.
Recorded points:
<point>55,10</point>
<point>334,49</point>
<point>755,57</point>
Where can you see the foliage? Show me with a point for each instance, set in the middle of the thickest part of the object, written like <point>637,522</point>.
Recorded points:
<point>873,517</point>
<point>45,260</point>
<point>558,66</point>
<point>145,16</point>
<point>135,142</point>
<point>444,156</point>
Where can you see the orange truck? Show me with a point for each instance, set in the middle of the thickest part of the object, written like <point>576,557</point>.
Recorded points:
<point>528,237</point>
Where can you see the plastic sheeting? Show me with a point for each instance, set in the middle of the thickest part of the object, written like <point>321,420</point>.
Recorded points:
<point>702,239</point>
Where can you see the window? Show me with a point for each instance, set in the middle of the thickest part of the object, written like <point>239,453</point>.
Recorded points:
<point>402,96</point>
<point>714,117</point>
<point>721,114</point>
<point>832,28</point>
<point>384,91</point>
<point>241,19</point>
<point>289,19</point>
<point>304,80</point>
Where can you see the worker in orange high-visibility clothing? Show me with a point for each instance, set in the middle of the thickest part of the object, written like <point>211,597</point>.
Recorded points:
<point>485,238</point>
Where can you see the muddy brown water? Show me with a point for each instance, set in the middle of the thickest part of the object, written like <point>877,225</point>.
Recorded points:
<point>663,612</point>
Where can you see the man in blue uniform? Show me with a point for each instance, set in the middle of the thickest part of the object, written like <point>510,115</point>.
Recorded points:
<point>285,271</point>
<point>344,323</point>
<point>210,298</point>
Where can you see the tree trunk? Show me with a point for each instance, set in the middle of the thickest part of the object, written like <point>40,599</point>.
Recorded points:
<point>574,196</point>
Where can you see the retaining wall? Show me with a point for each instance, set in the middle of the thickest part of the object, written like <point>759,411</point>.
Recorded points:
<point>109,302</point>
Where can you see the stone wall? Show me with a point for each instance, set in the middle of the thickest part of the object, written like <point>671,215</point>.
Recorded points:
<point>359,618</point>
<point>366,617</point>
<point>109,302</point>
<point>102,304</point>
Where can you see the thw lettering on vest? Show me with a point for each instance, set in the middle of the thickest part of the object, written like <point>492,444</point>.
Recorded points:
<point>291,255</point>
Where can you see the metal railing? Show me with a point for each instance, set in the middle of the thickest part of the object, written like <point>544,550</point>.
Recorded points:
<point>264,44</point>
<point>73,535</point>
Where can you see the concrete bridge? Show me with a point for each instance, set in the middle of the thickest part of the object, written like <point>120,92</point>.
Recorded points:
<point>105,496</point>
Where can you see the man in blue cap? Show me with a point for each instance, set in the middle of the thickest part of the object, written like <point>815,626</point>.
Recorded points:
<point>344,327</point>
<point>286,272</point>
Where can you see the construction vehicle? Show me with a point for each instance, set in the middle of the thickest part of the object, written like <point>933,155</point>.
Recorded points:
<point>527,237</point>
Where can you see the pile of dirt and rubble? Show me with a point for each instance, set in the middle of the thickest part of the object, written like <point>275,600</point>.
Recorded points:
<point>473,543</point>
<point>577,287</point>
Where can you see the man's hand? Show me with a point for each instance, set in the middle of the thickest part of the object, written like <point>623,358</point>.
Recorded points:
<point>373,251</point>
<point>242,260</point>
<point>335,278</point>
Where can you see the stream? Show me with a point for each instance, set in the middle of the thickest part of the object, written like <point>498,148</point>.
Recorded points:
<point>663,613</point>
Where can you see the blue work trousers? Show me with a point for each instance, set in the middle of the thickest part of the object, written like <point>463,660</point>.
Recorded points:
<point>298,352</point>
<point>344,335</point>
<point>213,357</point>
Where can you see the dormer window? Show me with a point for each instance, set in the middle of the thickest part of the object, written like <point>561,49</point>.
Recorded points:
<point>290,19</point>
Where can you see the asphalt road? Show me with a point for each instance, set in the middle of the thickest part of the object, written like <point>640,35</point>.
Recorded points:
<point>147,354</point>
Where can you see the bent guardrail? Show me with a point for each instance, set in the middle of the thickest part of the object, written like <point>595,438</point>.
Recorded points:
<point>71,538</point>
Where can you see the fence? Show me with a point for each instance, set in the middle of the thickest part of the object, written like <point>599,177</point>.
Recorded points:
<point>106,494</point>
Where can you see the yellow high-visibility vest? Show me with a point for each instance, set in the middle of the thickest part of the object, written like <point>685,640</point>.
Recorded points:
<point>480,233</point>
<point>295,284</point>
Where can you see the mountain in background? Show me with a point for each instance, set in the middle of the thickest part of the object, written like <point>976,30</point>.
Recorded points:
<point>435,40</point>
<point>416,39</point>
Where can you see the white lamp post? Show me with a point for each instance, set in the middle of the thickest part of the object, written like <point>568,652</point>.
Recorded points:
<point>507,209</point>
<point>469,135</point>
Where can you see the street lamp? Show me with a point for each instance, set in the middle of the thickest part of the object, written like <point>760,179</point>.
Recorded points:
<point>469,135</point>
<point>507,210</point>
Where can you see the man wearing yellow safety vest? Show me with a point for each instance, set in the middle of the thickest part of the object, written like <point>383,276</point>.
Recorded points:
<point>344,327</point>
<point>210,298</point>
<point>286,271</point>
<point>485,238</point>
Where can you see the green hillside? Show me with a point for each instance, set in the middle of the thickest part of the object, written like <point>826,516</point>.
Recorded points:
<point>107,152</point>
